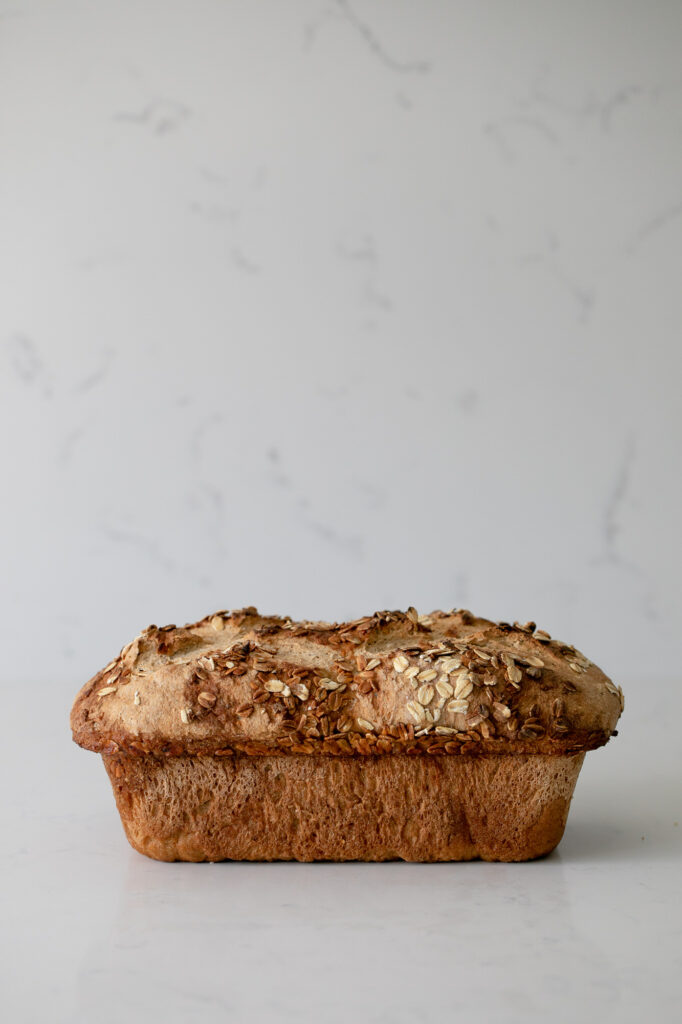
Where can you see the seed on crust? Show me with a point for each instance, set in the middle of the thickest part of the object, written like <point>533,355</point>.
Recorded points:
<point>184,716</point>
<point>329,684</point>
<point>207,663</point>
<point>400,663</point>
<point>206,699</point>
<point>374,663</point>
<point>531,730</point>
<point>576,667</point>
<point>444,688</point>
<point>444,730</point>
<point>458,707</point>
<point>136,698</point>
<point>106,689</point>
<point>464,685</point>
<point>416,710</point>
<point>501,710</point>
<point>427,675</point>
<point>514,673</point>
<point>300,690</point>
<point>543,637</point>
<point>261,665</point>
<point>573,654</point>
<point>274,686</point>
<point>412,672</point>
<point>365,725</point>
<point>425,695</point>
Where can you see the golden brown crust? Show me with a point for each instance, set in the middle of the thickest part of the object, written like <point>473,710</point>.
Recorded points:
<point>348,808</point>
<point>393,682</point>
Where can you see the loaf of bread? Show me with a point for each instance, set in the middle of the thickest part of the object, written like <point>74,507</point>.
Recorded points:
<point>395,736</point>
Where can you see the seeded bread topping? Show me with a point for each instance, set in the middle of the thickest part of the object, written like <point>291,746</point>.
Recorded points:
<point>395,682</point>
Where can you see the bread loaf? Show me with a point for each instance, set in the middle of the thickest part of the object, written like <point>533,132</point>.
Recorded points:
<point>433,737</point>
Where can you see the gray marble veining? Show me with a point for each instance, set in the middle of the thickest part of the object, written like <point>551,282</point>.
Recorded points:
<point>343,306</point>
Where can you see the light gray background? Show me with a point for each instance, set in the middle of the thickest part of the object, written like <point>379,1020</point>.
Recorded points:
<point>330,307</point>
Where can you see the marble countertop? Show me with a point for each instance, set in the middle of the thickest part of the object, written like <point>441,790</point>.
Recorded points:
<point>93,931</point>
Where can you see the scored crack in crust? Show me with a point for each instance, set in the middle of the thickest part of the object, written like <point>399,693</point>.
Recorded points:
<point>393,682</point>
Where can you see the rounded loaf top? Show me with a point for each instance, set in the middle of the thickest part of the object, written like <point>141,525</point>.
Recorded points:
<point>443,683</point>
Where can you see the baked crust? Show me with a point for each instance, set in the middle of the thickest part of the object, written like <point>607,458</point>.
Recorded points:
<point>441,684</point>
<point>296,807</point>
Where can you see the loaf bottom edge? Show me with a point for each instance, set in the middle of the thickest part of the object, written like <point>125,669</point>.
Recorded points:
<point>392,807</point>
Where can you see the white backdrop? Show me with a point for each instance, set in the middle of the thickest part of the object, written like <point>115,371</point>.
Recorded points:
<point>329,307</point>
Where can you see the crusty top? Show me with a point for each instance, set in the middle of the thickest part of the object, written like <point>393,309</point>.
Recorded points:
<point>444,683</point>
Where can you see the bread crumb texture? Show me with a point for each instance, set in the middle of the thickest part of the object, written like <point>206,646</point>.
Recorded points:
<point>294,807</point>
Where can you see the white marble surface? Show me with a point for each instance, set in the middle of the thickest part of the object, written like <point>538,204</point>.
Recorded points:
<point>335,306</point>
<point>92,931</point>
